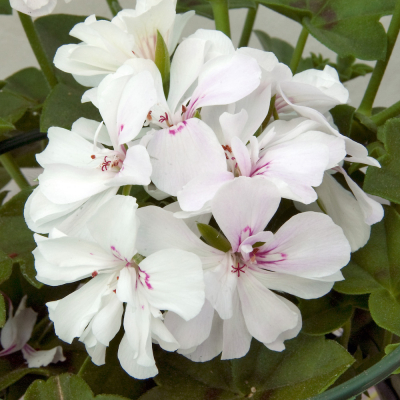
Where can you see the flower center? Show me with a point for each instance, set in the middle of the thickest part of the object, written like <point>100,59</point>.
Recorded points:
<point>112,162</point>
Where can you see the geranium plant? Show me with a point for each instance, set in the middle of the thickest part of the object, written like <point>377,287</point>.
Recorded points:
<point>207,222</point>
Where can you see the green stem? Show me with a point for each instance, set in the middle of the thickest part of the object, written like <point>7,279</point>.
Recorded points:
<point>115,7</point>
<point>126,190</point>
<point>13,170</point>
<point>221,16</point>
<point>84,365</point>
<point>298,51</point>
<point>248,26</point>
<point>344,340</point>
<point>270,112</point>
<point>40,54</point>
<point>383,116</point>
<point>380,66</point>
<point>365,380</point>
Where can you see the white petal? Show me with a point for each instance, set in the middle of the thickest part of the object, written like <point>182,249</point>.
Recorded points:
<point>174,282</point>
<point>266,315</point>
<point>72,314</point>
<point>128,360</point>
<point>136,169</point>
<point>193,332</point>
<point>160,230</point>
<point>114,227</point>
<point>252,202</point>
<point>107,321</point>
<point>236,337</point>
<point>162,335</point>
<point>218,43</point>
<point>309,245</point>
<point>200,190</point>
<point>87,129</point>
<point>42,358</point>
<point>183,152</point>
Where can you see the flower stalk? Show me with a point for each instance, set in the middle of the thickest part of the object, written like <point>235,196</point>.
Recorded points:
<point>380,67</point>
<point>115,7</point>
<point>13,170</point>
<point>33,37</point>
<point>298,51</point>
<point>383,116</point>
<point>248,26</point>
<point>221,16</point>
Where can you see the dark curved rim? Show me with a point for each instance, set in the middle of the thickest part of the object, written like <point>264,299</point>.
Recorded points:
<point>21,140</point>
<point>365,380</point>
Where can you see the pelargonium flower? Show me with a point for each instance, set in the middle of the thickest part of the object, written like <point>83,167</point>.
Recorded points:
<point>79,171</point>
<point>292,154</point>
<point>303,258</point>
<point>16,333</point>
<point>170,279</point>
<point>34,8</point>
<point>130,34</point>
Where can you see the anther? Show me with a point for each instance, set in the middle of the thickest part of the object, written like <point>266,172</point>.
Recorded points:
<point>149,117</point>
<point>94,274</point>
<point>92,156</point>
<point>183,109</point>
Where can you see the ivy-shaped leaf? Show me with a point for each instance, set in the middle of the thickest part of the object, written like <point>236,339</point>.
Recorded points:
<point>307,366</point>
<point>15,375</point>
<point>375,269</point>
<point>384,181</point>
<point>64,387</point>
<point>16,240</point>
<point>346,27</point>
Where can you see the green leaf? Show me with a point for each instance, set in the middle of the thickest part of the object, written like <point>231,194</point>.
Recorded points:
<point>388,349</point>
<point>5,126</point>
<point>203,7</point>
<point>63,107</point>
<point>5,266</point>
<point>384,181</point>
<point>5,7</point>
<point>346,27</point>
<point>29,83</point>
<point>324,315</point>
<point>16,239</point>
<point>213,237</point>
<point>11,377</point>
<point>163,62</point>
<point>375,269</point>
<point>307,366</point>
<point>282,50</point>
<point>12,106</point>
<point>3,311</point>
<point>64,387</point>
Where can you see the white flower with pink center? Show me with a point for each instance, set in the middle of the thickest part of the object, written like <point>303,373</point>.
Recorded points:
<point>303,258</point>
<point>131,34</point>
<point>170,279</point>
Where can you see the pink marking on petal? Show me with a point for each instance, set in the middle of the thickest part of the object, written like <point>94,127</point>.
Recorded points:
<point>146,279</point>
<point>172,131</point>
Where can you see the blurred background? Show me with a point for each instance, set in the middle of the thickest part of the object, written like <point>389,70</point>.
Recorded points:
<point>16,53</point>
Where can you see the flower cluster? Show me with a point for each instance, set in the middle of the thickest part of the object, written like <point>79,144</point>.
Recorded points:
<point>233,133</point>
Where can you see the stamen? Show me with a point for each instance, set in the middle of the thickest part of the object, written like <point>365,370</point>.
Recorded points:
<point>164,118</point>
<point>184,109</point>
<point>149,117</point>
<point>238,269</point>
<point>92,156</point>
<point>94,274</point>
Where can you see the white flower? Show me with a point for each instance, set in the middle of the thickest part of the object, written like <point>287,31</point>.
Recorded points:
<point>303,258</point>
<point>292,154</point>
<point>354,212</point>
<point>131,34</point>
<point>170,279</point>
<point>16,333</point>
<point>35,8</point>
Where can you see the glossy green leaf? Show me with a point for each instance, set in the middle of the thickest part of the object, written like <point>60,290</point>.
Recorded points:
<point>162,60</point>
<point>346,27</point>
<point>324,315</point>
<point>213,237</point>
<point>16,240</point>
<point>375,269</point>
<point>384,181</point>
<point>64,387</point>
<point>203,7</point>
<point>12,106</point>
<point>63,107</point>
<point>5,7</point>
<point>15,375</point>
<point>307,366</point>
